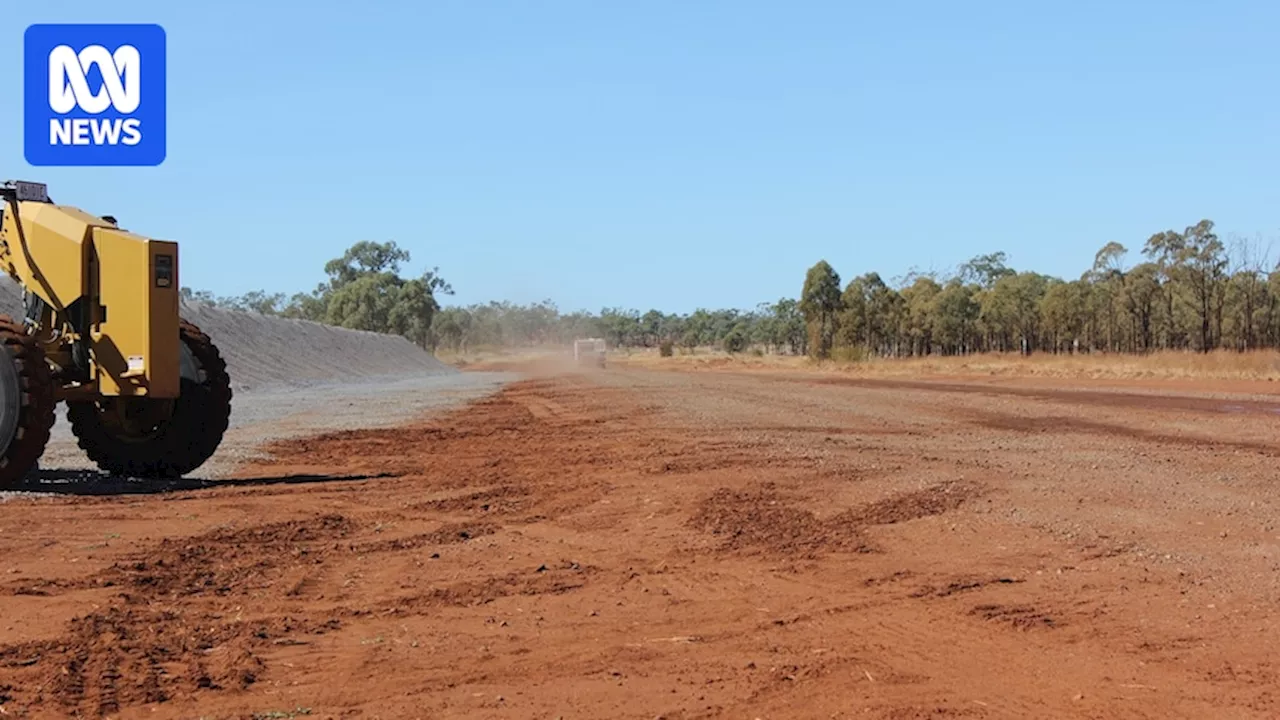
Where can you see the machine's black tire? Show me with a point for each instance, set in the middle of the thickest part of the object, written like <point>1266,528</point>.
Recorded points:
<point>34,402</point>
<point>188,438</point>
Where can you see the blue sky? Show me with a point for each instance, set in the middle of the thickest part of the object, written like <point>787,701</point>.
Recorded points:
<point>682,154</point>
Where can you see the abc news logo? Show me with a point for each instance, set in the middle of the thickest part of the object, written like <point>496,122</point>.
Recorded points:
<point>94,95</point>
<point>69,88</point>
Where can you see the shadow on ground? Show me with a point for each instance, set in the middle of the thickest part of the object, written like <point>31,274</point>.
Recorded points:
<point>89,482</point>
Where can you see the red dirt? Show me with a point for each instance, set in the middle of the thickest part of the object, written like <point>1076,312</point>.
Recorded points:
<point>650,544</point>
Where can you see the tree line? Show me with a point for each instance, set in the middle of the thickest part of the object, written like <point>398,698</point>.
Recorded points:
<point>364,291</point>
<point>1189,292</point>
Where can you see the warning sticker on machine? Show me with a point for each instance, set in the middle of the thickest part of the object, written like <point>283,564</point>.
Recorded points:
<point>135,362</point>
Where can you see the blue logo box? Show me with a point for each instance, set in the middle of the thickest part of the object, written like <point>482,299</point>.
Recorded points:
<point>94,95</point>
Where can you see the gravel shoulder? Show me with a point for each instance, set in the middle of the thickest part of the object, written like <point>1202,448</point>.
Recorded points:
<point>276,413</point>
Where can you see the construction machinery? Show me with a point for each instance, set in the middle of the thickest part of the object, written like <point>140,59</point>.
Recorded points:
<point>147,393</point>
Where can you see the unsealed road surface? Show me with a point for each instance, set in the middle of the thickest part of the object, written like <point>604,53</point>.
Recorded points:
<point>641,544</point>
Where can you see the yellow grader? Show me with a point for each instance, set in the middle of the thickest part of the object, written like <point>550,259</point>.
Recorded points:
<point>147,393</point>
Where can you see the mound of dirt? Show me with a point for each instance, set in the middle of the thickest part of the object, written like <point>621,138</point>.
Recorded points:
<point>264,352</point>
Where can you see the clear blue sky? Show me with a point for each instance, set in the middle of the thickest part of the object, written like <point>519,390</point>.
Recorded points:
<point>677,154</point>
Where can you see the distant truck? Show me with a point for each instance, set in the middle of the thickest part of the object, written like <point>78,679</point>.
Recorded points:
<point>589,351</point>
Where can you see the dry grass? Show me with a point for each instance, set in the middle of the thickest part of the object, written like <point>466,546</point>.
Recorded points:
<point>1262,365</point>
<point>1221,365</point>
<point>707,359</point>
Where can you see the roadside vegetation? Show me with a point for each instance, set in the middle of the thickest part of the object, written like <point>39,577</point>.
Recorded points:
<point>1182,292</point>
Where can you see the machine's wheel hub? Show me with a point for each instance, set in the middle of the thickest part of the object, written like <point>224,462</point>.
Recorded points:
<point>141,419</point>
<point>147,437</point>
<point>135,419</point>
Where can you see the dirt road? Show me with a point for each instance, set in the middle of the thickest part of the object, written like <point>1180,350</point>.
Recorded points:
<point>647,544</point>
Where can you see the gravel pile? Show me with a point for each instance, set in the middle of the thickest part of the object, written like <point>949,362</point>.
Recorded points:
<point>265,352</point>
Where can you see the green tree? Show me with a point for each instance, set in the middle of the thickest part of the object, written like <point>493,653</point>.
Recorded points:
<point>363,259</point>
<point>955,311</point>
<point>985,270</point>
<point>819,303</point>
<point>412,312</point>
<point>1142,296</point>
<point>871,315</point>
<point>918,302</point>
<point>1203,262</point>
<point>790,325</point>
<point>1106,300</point>
<point>1010,310</point>
<point>451,327</point>
<point>201,296</point>
<point>365,303</point>
<point>365,291</point>
<point>1166,249</point>
<point>257,301</point>
<point>1064,310</point>
<point>307,306</point>
<point>735,341</point>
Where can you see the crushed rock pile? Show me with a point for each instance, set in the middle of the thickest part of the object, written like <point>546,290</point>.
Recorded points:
<point>266,352</point>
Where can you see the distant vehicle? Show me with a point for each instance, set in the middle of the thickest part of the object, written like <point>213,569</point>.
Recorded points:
<point>589,351</point>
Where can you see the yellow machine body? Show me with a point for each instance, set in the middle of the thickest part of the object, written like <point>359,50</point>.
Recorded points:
<point>147,393</point>
<point>116,290</point>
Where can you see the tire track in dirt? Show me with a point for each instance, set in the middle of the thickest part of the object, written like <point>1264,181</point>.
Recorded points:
<point>618,545</point>
<point>1023,477</point>
<point>149,643</point>
<point>175,627</point>
<point>872,651</point>
<point>1058,424</point>
<point>175,624</point>
<point>762,519</point>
